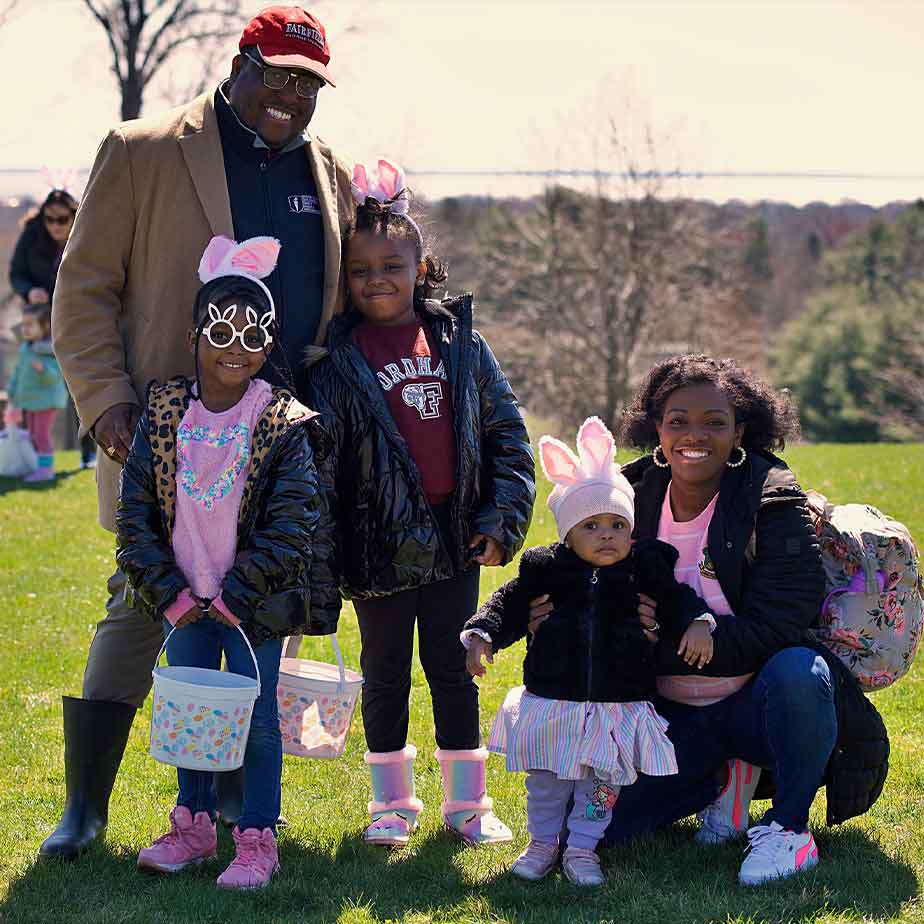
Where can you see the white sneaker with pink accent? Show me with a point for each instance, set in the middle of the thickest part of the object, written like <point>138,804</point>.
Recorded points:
<point>776,853</point>
<point>727,818</point>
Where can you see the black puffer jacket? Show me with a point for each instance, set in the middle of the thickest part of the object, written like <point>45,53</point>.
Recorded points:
<point>592,647</point>
<point>763,545</point>
<point>281,583</point>
<point>31,266</point>
<point>388,538</point>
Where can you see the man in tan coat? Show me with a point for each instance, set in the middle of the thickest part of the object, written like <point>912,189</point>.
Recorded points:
<point>237,162</point>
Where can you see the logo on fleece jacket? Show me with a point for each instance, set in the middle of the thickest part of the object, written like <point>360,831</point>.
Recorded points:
<point>308,204</point>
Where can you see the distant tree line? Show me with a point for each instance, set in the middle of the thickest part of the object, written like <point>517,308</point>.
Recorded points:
<point>855,358</point>
<point>582,292</point>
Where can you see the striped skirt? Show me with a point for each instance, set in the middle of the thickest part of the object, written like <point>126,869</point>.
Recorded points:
<point>612,740</point>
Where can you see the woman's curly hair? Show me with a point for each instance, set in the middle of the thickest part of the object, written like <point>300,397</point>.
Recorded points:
<point>769,416</point>
<point>378,218</point>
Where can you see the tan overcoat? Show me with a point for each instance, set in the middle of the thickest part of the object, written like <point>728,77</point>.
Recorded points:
<point>156,195</point>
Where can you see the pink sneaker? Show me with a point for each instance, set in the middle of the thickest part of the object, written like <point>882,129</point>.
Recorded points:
<point>189,840</point>
<point>582,867</point>
<point>256,859</point>
<point>537,861</point>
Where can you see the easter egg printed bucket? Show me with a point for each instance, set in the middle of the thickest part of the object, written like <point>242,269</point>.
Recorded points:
<point>316,702</point>
<point>201,718</point>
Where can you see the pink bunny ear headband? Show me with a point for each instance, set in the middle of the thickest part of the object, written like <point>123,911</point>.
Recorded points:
<point>253,259</point>
<point>587,483</point>
<point>59,179</point>
<point>384,185</point>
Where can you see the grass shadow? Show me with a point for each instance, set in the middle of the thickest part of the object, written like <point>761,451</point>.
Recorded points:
<point>665,877</point>
<point>11,485</point>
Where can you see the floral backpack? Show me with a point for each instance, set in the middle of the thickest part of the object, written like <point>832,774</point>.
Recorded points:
<point>872,615</point>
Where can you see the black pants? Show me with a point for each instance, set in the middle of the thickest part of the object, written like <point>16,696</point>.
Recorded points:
<point>386,625</point>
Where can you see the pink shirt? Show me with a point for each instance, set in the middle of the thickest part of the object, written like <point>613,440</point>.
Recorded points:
<point>213,451</point>
<point>695,569</point>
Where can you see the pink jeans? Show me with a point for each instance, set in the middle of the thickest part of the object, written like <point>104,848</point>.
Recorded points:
<point>40,424</point>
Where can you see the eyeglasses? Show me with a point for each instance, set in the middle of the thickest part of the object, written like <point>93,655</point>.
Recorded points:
<point>221,333</point>
<point>58,220</point>
<point>275,78</point>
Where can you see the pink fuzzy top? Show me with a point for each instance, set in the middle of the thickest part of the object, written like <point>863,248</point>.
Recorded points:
<point>213,452</point>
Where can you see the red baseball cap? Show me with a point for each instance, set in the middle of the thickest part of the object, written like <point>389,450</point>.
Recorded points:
<point>287,36</point>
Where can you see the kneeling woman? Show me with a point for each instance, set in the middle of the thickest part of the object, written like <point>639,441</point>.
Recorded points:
<point>768,695</point>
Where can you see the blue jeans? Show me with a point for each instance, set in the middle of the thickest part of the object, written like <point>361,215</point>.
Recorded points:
<point>783,720</point>
<point>200,644</point>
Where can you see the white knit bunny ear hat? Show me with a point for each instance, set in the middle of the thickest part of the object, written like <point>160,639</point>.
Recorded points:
<point>586,484</point>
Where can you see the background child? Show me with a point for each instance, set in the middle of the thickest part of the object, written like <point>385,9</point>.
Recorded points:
<point>231,537</point>
<point>434,477</point>
<point>37,387</point>
<point>583,725</point>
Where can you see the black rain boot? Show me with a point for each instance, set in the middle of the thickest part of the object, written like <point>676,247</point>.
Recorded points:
<point>229,791</point>
<point>95,735</point>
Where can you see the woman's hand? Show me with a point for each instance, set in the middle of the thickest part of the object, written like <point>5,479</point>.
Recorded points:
<point>478,648</point>
<point>37,296</point>
<point>696,645</point>
<point>647,616</point>
<point>492,552</point>
<point>540,608</point>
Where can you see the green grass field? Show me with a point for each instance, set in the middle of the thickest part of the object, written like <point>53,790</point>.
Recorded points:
<point>54,561</point>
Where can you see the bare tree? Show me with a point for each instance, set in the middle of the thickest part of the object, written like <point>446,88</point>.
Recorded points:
<point>6,8</point>
<point>144,34</point>
<point>590,288</point>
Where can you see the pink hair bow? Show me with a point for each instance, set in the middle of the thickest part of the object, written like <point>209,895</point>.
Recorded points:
<point>384,183</point>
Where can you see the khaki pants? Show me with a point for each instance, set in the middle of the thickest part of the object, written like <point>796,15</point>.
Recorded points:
<point>123,650</point>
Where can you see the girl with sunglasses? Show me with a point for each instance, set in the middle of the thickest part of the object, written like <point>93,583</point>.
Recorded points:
<point>220,526</point>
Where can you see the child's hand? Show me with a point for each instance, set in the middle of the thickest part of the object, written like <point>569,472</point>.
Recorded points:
<point>696,645</point>
<point>38,366</point>
<point>215,613</point>
<point>493,553</point>
<point>193,614</point>
<point>478,648</point>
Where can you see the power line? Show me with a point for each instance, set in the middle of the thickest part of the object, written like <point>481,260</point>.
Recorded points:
<point>676,174</point>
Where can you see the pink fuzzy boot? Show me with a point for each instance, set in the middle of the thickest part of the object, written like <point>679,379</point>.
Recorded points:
<point>394,806</point>
<point>466,806</point>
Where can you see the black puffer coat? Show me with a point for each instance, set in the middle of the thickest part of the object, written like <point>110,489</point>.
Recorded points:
<point>32,266</point>
<point>763,545</point>
<point>592,647</point>
<point>388,538</point>
<point>281,583</point>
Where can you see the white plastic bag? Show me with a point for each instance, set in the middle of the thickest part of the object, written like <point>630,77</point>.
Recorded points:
<point>17,454</point>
